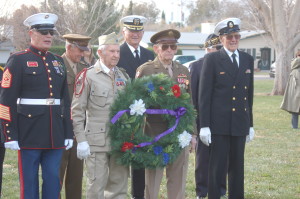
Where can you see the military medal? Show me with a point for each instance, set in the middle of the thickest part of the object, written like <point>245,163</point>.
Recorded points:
<point>55,63</point>
<point>120,82</point>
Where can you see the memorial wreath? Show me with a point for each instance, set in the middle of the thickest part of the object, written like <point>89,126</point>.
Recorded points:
<point>155,94</point>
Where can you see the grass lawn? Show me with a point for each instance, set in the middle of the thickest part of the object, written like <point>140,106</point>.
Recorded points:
<point>272,159</point>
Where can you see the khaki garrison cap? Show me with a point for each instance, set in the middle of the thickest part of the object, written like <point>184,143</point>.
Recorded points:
<point>78,40</point>
<point>110,39</point>
<point>170,35</point>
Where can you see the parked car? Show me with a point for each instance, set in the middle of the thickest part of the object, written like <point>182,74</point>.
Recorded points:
<point>187,64</point>
<point>184,58</point>
<point>272,70</point>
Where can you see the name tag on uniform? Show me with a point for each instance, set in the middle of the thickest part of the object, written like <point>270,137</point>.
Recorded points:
<point>32,64</point>
<point>222,73</point>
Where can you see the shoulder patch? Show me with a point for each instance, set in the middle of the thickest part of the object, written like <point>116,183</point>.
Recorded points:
<point>6,79</point>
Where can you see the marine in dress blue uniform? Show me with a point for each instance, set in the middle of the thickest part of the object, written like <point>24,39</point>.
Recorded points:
<point>212,44</point>
<point>35,110</point>
<point>225,101</point>
<point>2,148</point>
<point>132,55</point>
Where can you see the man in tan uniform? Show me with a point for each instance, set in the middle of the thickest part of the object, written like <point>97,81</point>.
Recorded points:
<point>165,47</point>
<point>96,88</point>
<point>71,169</point>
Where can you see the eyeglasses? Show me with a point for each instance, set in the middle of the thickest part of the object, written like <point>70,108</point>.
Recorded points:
<point>166,46</point>
<point>230,37</point>
<point>46,32</point>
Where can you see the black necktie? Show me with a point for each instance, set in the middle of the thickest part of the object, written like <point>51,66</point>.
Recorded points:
<point>234,61</point>
<point>137,57</point>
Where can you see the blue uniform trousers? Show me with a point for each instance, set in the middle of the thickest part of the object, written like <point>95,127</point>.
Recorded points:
<point>29,161</point>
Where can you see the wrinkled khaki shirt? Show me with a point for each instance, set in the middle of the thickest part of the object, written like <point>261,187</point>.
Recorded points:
<point>95,93</point>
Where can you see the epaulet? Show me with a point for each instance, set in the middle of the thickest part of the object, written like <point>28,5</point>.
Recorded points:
<point>20,52</point>
<point>124,72</point>
<point>141,68</point>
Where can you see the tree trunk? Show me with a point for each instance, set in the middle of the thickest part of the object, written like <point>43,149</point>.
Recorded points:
<point>283,58</point>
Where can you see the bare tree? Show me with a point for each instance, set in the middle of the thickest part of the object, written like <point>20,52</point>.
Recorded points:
<point>21,39</point>
<point>6,30</point>
<point>143,9</point>
<point>204,11</point>
<point>280,18</point>
<point>88,17</point>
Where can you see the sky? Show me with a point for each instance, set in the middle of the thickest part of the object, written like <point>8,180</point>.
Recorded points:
<point>172,8</point>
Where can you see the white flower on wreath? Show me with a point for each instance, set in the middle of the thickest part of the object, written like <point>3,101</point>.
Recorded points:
<point>184,139</point>
<point>137,108</point>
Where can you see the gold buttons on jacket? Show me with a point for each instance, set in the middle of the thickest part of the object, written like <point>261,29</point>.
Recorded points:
<point>50,78</point>
<point>245,87</point>
<point>9,138</point>
<point>233,87</point>
<point>51,94</point>
<point>233,109</point>
<point>34,73</point>
<point>50,86</point>
<point>29,115</point>
<point>47,64</point>
<point>6,124</point>
<point>245,98</point>
<point>49,71</point>
<point>44,58</point>
<point>7,131</point>
<point>233,98</point>
<point>245,109</point>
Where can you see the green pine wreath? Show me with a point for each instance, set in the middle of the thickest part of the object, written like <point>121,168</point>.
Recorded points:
<point>127,134</point>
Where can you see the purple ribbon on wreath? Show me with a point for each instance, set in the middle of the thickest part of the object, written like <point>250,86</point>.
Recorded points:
<point>177,113</point>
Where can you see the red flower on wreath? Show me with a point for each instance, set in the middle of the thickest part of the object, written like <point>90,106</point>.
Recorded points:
<point>176,90</point>
<point>127,146</point>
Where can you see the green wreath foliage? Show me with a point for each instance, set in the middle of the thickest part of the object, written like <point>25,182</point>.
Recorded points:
<point>127,131</point>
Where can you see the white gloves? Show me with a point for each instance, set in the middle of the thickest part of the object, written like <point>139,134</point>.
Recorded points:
<point>68,143</point>
<point>83,150</point>
<point>13,145</point>
<point>251,135</point>
<point>205,135</point>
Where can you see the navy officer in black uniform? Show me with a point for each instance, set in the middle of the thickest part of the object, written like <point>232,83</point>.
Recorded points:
<point>212,44</point>
<point>132,55</point>
<point>35,110</point>
<point>225,104</point>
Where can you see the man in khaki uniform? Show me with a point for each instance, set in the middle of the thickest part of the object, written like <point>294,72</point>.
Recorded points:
<point>71,169</point>
<point>165,47</point>
<point>96,88</point>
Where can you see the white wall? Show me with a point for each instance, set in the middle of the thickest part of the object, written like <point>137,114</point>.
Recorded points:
<point>197,53</point>
<point>4,55</point>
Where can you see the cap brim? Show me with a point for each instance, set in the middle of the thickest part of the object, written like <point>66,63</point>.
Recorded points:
<point>84,48</point>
